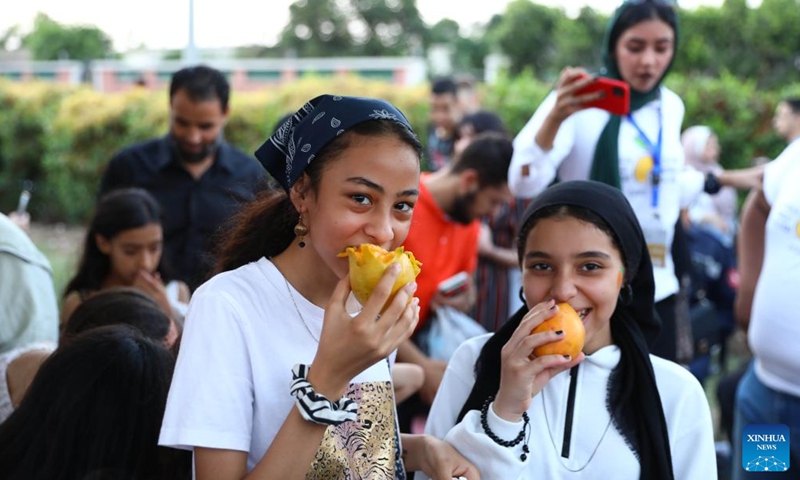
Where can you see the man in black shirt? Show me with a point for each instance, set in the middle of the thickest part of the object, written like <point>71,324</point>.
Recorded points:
<point>445,115</point>
<point>199,179</point>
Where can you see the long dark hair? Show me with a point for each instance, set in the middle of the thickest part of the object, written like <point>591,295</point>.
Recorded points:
<point>94,410</point>
<point>265,226</point>
<point>118,306</point>
<point>117,211</point>
<point>633,400</point>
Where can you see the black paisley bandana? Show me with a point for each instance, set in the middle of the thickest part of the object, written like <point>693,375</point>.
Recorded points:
<point>293,146</point>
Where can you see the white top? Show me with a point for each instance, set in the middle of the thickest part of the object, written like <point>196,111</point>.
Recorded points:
<point>689,424</point>
<point>573,153</point>
<point>28,306</point>
<point>775,320</point>
<point>6,405</point>
<point>173,291</point>
<point>231,384</point>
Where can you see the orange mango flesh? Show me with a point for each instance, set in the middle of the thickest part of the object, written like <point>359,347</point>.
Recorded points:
<point>368,263</point>
<point>568,320</point>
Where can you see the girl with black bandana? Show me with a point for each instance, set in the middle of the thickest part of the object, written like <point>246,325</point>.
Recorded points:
<point>279,375</point>
<point>615,411</point>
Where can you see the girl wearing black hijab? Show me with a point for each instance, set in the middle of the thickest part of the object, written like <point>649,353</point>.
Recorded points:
<point>615,411</point>
<point>639,153</point>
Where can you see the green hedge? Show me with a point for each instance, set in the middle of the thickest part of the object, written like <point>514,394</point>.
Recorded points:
<point>61,138</point>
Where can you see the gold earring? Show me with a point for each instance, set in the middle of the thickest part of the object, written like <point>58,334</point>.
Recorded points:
<point>301,230</point>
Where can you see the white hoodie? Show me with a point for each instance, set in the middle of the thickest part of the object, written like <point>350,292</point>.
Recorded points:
<point>597,449</point>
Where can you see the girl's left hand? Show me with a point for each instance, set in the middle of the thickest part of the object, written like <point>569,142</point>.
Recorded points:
<point>441,461</point>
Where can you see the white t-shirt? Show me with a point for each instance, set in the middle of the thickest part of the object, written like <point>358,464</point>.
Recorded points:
<point>775,320</point>
<point>572,156</point>
<point>231,384</point>
<point>594,440</point>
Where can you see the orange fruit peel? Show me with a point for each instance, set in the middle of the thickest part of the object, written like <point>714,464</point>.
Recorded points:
<point>368,263</point>
<point>568,320</point>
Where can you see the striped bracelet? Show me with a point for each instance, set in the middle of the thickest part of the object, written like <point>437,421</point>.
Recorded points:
<point>316,408</point>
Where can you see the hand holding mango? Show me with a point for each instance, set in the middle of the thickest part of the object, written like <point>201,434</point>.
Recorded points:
<point>568,320</point>
<point>368,263</point>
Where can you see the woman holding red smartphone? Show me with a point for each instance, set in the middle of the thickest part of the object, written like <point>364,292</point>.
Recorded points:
<point>640,152</point>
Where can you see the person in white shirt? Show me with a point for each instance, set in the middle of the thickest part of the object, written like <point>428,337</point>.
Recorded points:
<point>614,411</point>
<point>349,170</point>
<point>716,213</point>
<point>767,303</point>
<point>639,153</point>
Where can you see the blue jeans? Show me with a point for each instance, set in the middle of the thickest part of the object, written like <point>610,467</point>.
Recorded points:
<point>757,403</point>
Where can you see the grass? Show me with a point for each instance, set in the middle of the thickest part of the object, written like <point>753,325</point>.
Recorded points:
<point>62,246</point>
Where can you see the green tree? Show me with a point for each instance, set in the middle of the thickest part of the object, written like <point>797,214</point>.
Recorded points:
<point>316,28</point>
<point>5,37</point>
<point>527,35</point>
<point>445,30</point>
<point>470,53</point>
<point>469,50</point>
<point>773,31</point>
<point>698,48</point>
<point>761,44</point>
<point>353,27</point>
<point>579,40</point>
<point>388,27</point>
<point>50,40</point>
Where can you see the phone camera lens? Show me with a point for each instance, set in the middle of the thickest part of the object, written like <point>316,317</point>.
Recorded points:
<point>618,91</point>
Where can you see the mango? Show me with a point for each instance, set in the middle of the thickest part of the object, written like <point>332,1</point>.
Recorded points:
<point>368,262</point>
<point>568,320</point>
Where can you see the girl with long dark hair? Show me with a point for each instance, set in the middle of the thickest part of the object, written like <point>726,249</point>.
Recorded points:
<point>278,375</point>
<point>124,248</point>
<point>93,411</point>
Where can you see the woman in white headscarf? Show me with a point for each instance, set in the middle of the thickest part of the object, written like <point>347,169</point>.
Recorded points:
<point>719,211</point>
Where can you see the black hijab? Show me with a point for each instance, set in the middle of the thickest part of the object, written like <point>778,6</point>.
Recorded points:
<point>632,397</point>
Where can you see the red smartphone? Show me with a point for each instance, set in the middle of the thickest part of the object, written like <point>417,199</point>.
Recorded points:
<point>616,98</point>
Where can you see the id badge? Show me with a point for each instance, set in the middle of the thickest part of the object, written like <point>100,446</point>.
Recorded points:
<point>656,236</point>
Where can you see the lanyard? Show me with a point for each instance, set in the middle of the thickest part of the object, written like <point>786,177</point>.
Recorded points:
<point>655,152</point>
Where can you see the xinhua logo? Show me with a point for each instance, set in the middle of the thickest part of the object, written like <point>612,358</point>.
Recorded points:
<point>765,448</point>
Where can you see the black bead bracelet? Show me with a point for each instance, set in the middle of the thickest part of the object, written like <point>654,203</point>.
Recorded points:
<point>506,443</point>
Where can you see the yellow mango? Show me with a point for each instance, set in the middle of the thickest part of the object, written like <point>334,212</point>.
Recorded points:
<point>368,263</point>
<point>568,320</point>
